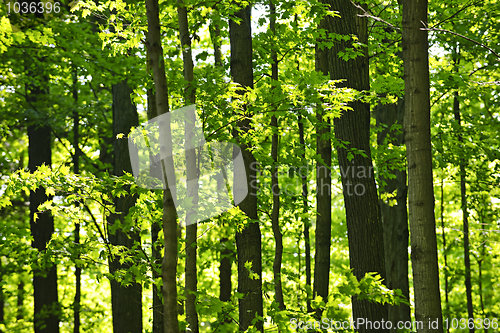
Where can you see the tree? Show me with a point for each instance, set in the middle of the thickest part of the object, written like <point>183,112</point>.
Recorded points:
<point>419,159</point>
<point>394,212</point>
<point>126,300</point>
<point>323,189</point>
<point>169,264</point>
<point>352,132</point>
<point>191,172</point>
<point>463,197</point>
<point>278,236</point>
<point>248,240</point>
<point>42,224</point>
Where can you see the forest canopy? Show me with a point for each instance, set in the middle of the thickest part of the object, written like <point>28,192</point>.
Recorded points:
<point>253,166</point>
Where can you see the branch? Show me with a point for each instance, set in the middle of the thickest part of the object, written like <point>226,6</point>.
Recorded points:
<point>464,37</point>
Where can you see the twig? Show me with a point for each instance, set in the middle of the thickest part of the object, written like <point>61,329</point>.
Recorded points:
<point>464,37</point>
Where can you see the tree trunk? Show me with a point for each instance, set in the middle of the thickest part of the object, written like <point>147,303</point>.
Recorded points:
<point>364,224</point>
<point>169,264</point>
<point>463,195</point>
<point>419,159</point>
<point>2,296</point>
<point>248,241</point>
<point>44,283</point>
<point>323,191</point>
<point>126,301</point>
<point>155,229</point>
<point>226,253</point>
<point>76,170</point>
<point>20,301</point>
<point>305,210</point>
<point>191,279</point>
<point>445,256</point>
<point>278,237</point>
<point>395,218</point>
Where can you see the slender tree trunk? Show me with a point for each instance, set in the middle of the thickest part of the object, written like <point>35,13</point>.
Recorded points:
<point>2,296</point>
<point>155,248</point>
<point>419,159</point>
<point>395,218</point>
<point>364,224</point>
<point>216,41</point>
<point>20,301</point>
<point>445,256</point>
<point>191,279</point>
<point>323,191</point>
<point>76,170</point>
<point>480,266</point>
<point>305,211</point>
<point>44,283</point>
<point>126,301</point>
<point>248,241</point>
<point>169,264</point>
<point>226,253</point>
<point>278,237</point>
<point>463,195</point>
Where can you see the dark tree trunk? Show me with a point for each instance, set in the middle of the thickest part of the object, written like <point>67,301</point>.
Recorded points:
<point>248,241</point>
<point>169,264</point>
<point>126,301</point>
<point>323,191</point>
<point>76,170</point>
<point>364,224</point>
<point>226,251</point>
<point>445,256</point>
<point>191,280</point>
<point>305,210</point>
<point>2,296</point>
<point>463,196</point>
<point>20,301</point>
<point>395,217</point>
<point>278,236</point>
<point>44,283</point>
<point>419,158</point>
<point>156,248</point>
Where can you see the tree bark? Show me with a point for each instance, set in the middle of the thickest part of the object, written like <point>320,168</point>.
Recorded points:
<point>155,229</point>
<point>76,170</point>
<point>364,224</point>
<point>419,158</point>
<point>463,196</point>
<point>305,210</point>
<point>278,236</point>
<point>191,280</point>
<point>45,279</point>
<point>126,301</point>
<point>226,251</point>
<point>2,296</point>
<point>395,218</point>
<point>45,286</point>
<point>248,241</point>
<point>169,264</point>
<point>445,256</point>
<point>323,190</point>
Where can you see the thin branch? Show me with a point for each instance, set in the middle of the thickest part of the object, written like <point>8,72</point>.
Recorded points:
<point>456,13</point>
<point>366,14</point>
<point>464,37</point>
<point>98,229</point>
